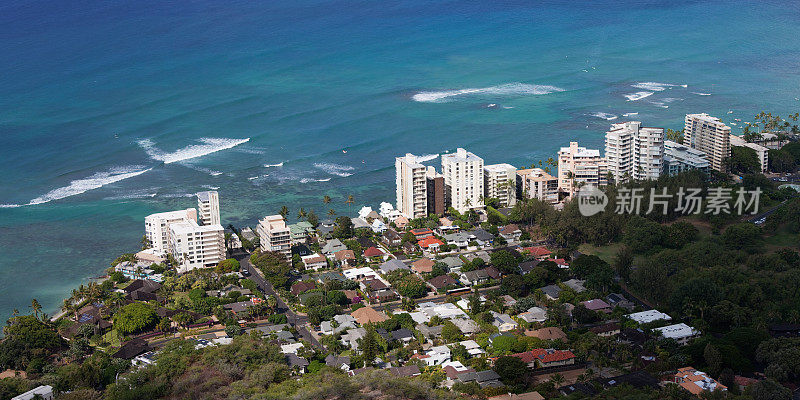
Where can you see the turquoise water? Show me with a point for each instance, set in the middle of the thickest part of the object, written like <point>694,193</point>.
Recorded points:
<point>110,111</point>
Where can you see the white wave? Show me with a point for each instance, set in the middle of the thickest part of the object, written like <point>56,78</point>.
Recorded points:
<point>136,194</point>
<point>177,195</point>
<point>280,164</point>
<point>630,114</point>
<point>335,169</point>
<point>252,178</point>
<point>426,157</point>
<point>605,116</point>
<point>209,187</point>
<point>308,180</point>
<point>10,205</point>
<point>638,95</point>
<point>656,86</point>
<point>701,94</point>
<point>508,89</point>
<point>208,146</point>
<point>92,182</point>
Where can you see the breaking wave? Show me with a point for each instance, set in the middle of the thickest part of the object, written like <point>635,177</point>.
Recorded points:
<point>656,86</point>
<point>427,157</point>
<point>638,95</point>
<point>335,169</point>
<point>208,146</point>
<point>513,89</point>
<point>308,180</point>
<point>280,164</point>
<point>92,182</point>
<point>605,116</point>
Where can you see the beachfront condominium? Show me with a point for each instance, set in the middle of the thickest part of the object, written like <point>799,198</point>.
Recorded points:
<point>679,158</point>
<point>196,246</point>
<point>411,183</point>
<point>536,183</point>
<point>208,208</point>
<point>634,151</point>
<point>275,235</point>
<point>578,166</point>
<point>709,135</point>
<point>156,228</point>
<point>435,191</point>
<point>762,153</point>
<point>463,180</point>
<point>499,182</point>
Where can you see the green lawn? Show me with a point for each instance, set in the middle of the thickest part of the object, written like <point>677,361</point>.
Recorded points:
<point>607,253</point>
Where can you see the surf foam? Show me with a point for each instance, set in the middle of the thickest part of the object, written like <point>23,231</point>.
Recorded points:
<point>426,157</point>
<point>208,146</point>
<point>638,95</point>
<point>309,180</point>
<point>605,116</point>
<point>508,89</point>
<point>656,86</point>
<point>92,182</point>
<point>335,169</point>
<point>280,164</point>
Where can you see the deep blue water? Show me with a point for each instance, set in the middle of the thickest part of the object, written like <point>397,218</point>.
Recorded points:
<point>101,101</point>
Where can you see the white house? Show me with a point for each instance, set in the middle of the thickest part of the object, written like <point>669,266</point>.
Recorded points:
<point>534,314</point>
<point>503,322</point>
<point>378,226</point>
<point>43,392</point>
<point>648,316</point>
<point>681,333</point>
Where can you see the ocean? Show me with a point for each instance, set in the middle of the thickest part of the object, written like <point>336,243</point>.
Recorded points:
<point>113,110</point>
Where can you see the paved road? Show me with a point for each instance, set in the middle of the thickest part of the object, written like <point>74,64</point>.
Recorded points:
<point>300,322</point>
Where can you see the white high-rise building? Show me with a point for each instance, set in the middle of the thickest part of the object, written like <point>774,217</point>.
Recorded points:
<point>275,235</point>
<point>208,208</point>
<point>463,179</point>
<point>761,152</point>
<point>634,151</point>
<point>709,135</point>
<point>412,199</point>
<point>578,166</point>
<point>500,182</point>
<point>156,228</point>
<point>195,246</point>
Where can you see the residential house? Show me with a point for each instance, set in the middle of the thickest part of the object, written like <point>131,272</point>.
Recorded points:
<point>360,274</point>
<point>479,276</point>
<point>315,261</point>
<point>296,363</point>
<point>534,314</point>
<point>644,317</point>
<point>465,325</point>
<point>430,243</point>
<point>597,305</point>
<point>618,300</point>
<point>325,229</point>
<point>360,223</point>
<point>421,233</point>
<point>549,333</point>
<point>401,222</point>
<point>352,336</point>
<point>697,382</point>
<point>511,232</point>
<point>367,315</point>
<point>576,285</point>
<point>345,258</point>
<point>44,392</point>
<point>639,380</point>
<point>503,322</point>
<point>436,355</point>
<point>331,276</point>
<point>606,330</point>
<point>459,239</point>
<point>482,237</point>
<point>442,282</point>
<point>373,252</point>
<point>332,247</point>
<point>391,237</point>
<point>430,332</point>
<point>539,252</point>
<point>142,290</point>
<point>528,266</point>
<point>403,335</point>
<point>546,358</point>
<point>681,333</point>
<point>473,348</point>
<point>521,396</point>
<point>551,291</point>
<point>453,263</point>
<point>393,265</point>
<point>484,379</point>
<point>423,265</point>
<point>405,371</point>
<point>378,226</point>
<point>341,362</point>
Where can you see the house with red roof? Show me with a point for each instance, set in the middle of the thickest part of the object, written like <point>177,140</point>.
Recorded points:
<point>421,233</point>
<point>373,252</point>
<point>597,305</point>
<point>539,252</point>
<point>544,358</point>
<point>422,265</point>
<point>430,243</point>
<point>345,258</point>
<point>562,263</point>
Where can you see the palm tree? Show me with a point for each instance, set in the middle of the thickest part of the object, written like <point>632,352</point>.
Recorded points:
<point>284,211</point>
<point>326,199</point>
<point>350,200</point>
<point>468,203</point>
<point>14,313</point>
<point>36,307</point>
<point>301,214</point>
<point>331,212</point>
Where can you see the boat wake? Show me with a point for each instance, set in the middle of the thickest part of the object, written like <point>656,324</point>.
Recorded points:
<point>508,89</point>
<point>207,146</point>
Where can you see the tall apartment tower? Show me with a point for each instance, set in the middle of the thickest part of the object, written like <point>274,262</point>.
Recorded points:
<point>634,151</point>
<point>578,166</point>
<point>499,182</point>
<point>435,192</point>
<point>411,181</point>
<point>463,179</point>
<point>156,228</point>
<point>709,135</point>
<point>275,235</point>
<point>208,208</point>
<point>194,246</point>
